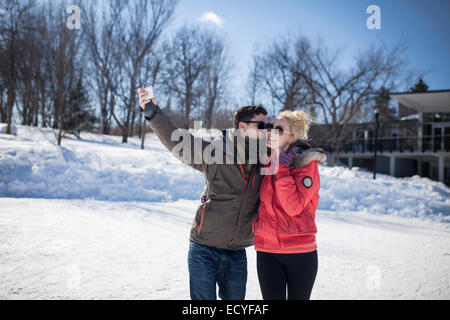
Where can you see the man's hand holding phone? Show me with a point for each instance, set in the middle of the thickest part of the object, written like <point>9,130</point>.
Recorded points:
<point>147,103</point>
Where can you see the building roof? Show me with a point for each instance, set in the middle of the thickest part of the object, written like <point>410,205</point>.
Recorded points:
<point>429,101</point>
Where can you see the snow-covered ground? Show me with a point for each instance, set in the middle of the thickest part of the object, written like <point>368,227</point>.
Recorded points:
<point>100,219</point>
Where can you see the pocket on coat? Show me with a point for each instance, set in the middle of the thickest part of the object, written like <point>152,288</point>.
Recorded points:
<point>302,223</point>
<point>219,221</point>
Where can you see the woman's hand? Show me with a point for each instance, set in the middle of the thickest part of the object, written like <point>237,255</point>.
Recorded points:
<point>286,157</point>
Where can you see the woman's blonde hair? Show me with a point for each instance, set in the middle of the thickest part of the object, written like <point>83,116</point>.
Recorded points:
<point>299,123</point>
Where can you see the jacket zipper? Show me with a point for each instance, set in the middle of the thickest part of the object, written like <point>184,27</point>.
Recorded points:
<point>253,183</point>
<point>243,174</point>
<point>201,221</point>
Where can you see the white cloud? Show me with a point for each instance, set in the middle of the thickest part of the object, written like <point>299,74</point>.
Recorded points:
<point>211,17</point>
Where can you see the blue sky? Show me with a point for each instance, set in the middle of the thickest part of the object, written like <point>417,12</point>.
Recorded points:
<point>245,23</point>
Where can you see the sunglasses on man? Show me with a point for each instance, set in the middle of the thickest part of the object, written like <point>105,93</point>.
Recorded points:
<point>269,126</point>
<point>261,124</point>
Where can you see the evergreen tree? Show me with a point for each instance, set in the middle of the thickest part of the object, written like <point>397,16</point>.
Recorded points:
<point>79,115</point>
<point>382,100</point>
<point>420,86</point>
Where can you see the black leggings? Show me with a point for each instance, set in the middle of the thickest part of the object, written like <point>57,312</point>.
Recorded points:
<point>297,271</point>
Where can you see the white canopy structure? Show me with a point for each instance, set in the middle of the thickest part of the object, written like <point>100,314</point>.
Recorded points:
<point>429,102</point>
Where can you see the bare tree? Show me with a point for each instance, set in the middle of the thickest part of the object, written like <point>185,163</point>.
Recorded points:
<point>103,46</point>
<point>13,14</point>
<point>254,80</point>
<point>280,69</point>
<point>3,85</point>
<point>141,24</point>
<point>190,54</point>
<point>299,74</point>
<point>33,79</point>
<point>216,78</point>
<point>64,48</point>
<point>3,113</point>
<point>342,94</point>
<point>44,76</point>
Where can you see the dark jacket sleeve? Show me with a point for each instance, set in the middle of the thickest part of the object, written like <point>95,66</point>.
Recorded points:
<point>180,142</point>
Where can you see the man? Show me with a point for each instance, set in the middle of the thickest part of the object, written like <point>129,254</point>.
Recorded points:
<point>222,227</point>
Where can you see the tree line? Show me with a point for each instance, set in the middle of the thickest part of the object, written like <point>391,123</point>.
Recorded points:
<point>87,78</point>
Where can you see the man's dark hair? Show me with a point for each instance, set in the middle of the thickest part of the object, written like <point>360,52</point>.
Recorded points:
<point>246,113</point>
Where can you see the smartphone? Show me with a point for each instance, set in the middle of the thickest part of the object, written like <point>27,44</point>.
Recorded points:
<point>150,92</point>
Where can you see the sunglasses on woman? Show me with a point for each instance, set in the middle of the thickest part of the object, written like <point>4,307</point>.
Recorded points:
<point>270,126</point>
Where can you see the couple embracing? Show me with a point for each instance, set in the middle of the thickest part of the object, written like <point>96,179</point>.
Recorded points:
<point>245,204</point>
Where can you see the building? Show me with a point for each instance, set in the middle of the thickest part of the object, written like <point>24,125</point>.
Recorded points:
<point>416,143</point>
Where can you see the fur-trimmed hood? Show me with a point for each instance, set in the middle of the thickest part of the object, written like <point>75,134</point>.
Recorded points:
<point>308,154</point>
<point>303,158</point>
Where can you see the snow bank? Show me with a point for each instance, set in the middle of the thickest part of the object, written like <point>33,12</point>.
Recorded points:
<point>98,167</point>
<point>101,167</point>
<point>343,189</point>
<point>3,128</point>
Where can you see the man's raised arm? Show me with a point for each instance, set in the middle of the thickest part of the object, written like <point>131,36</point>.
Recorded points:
<point>170,135</point>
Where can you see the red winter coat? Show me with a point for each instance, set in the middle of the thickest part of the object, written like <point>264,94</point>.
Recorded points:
<point>289,199</point>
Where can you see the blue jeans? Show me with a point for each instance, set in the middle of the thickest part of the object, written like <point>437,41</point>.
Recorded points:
<point>209,265</point>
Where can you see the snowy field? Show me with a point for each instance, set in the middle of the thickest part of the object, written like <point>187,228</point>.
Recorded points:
<point>98,219</point>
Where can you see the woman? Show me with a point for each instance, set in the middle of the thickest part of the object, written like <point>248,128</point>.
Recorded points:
<point>285,228</point>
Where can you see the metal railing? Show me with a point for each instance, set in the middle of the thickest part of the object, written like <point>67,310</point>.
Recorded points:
<point>398,144</point>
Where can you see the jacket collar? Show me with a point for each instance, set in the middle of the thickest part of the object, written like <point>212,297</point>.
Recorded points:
<point>303,144</point>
